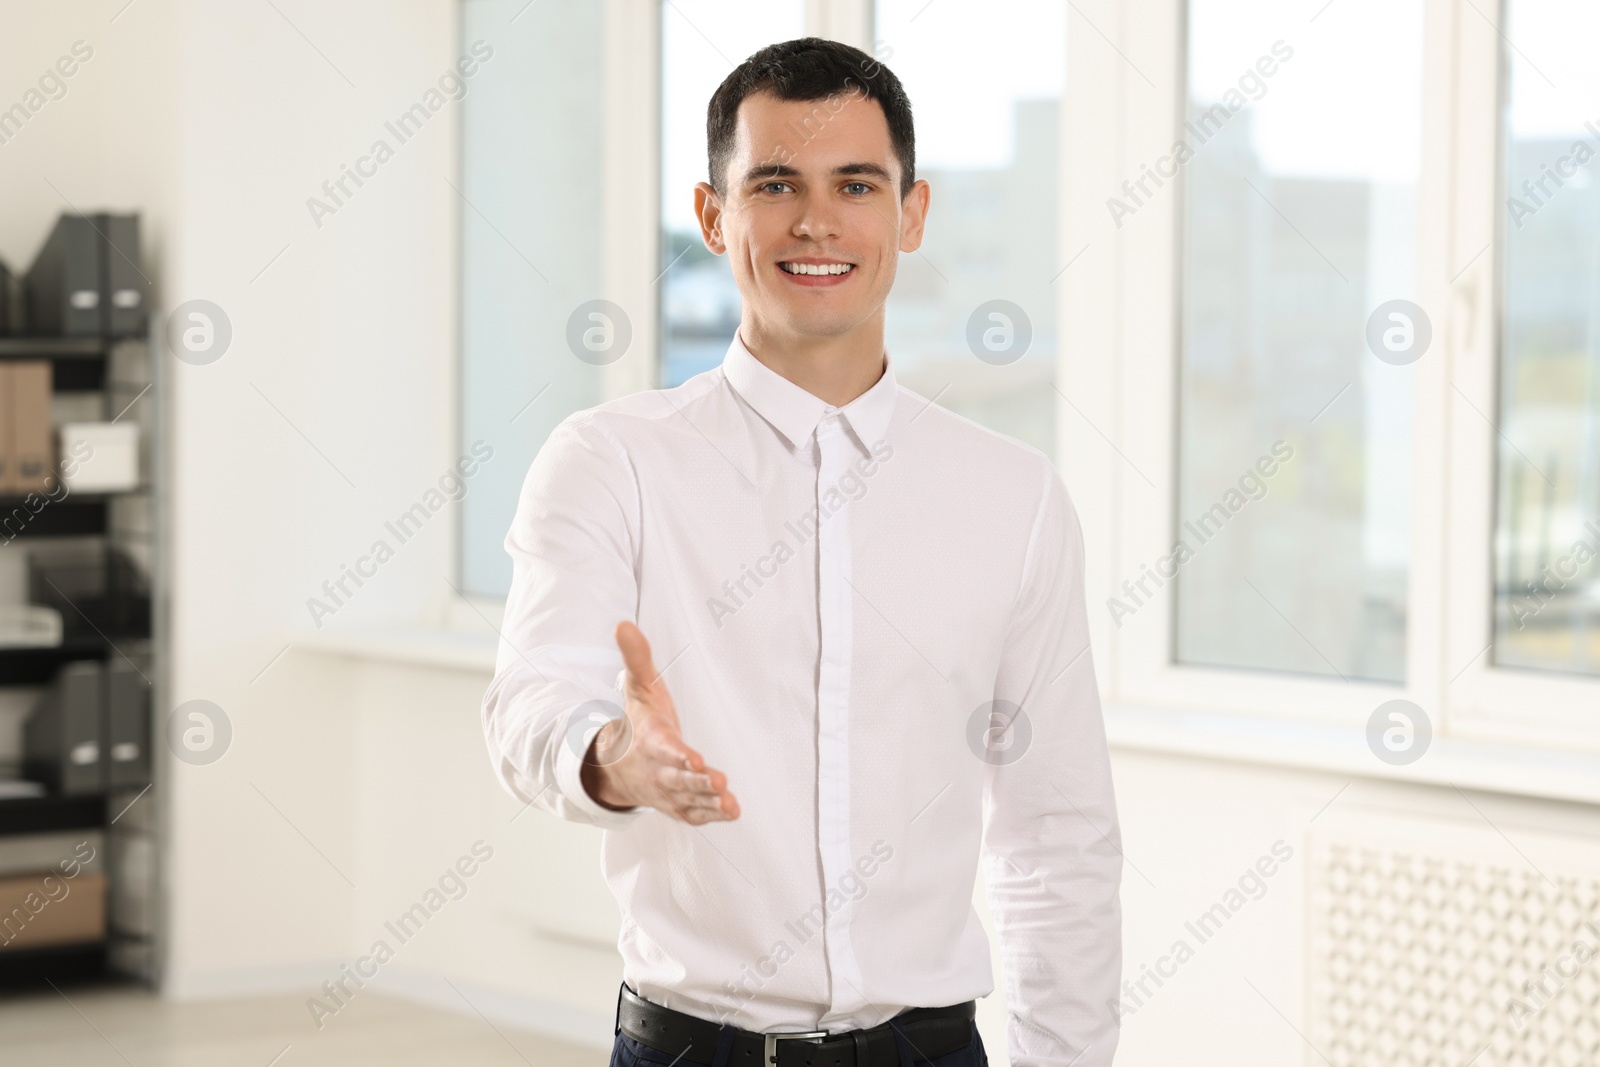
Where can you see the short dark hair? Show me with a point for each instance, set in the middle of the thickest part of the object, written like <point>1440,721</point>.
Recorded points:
<point>809,68</point>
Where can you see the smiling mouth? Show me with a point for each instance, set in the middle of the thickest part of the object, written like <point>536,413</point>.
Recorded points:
<point>817,269</point>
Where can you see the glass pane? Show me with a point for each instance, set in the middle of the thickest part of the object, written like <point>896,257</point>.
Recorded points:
<point>1547,535</point>
<point>1294,525</point>
<point>701,41</point>
<point>987,137</point>
<point>530,251</point>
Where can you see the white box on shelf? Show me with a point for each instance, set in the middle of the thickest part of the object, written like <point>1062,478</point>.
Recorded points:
<point>29,626</point>
<point>101,456</point>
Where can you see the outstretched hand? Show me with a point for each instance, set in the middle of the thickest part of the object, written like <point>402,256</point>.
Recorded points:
<point>641,760</point>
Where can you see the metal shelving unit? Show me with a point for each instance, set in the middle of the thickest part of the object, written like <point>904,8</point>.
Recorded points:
<point>126,376</point>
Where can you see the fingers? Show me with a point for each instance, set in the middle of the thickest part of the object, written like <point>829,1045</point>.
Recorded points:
<point>635,655</point>
<point>695,796</point>
<point>699,783</point>
<point>701,813</point>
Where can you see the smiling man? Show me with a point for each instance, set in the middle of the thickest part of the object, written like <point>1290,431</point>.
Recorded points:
<point>873,649</point>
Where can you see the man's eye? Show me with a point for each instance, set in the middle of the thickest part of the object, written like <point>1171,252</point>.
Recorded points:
<point>862,188</point>
<point>769,186</point>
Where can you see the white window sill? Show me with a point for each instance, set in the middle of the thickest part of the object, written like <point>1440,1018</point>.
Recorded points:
<point>417,646</point>
<point>1495,768</point>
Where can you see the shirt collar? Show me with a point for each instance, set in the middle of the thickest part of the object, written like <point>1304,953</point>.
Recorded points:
<point>793,412</point>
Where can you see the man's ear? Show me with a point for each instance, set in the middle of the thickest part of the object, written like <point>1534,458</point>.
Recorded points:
<point>708,209</point>
<point>913,215</point>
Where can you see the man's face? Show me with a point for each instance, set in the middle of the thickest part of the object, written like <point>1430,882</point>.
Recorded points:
<point>812,186</point>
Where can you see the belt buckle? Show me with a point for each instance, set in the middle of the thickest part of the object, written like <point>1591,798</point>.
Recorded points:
<point>769,1053</point>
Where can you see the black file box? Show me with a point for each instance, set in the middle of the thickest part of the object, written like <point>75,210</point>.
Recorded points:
<point>64,284</point>
<point>86,280</point>
<point>62,742</point>
<point>127,725</point>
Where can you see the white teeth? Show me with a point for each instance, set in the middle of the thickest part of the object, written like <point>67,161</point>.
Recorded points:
<point>817,268</point>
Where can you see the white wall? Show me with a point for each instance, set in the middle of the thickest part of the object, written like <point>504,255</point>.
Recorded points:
<point>330,413</point>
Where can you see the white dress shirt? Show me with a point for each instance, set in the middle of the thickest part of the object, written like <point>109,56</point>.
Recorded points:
<point>847,606</point>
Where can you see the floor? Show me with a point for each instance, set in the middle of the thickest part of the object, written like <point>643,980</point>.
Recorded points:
<point>128,1027</point>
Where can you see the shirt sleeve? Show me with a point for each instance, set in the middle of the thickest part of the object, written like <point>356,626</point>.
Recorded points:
<point>1052,848</point>
<point>557,668</point>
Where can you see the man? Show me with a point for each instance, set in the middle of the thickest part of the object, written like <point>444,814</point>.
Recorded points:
<point>852,641</point>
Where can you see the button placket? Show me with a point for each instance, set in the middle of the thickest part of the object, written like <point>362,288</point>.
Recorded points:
<point>836,610</point>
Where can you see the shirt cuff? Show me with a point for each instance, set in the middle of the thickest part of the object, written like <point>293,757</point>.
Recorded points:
<point>568,765</point>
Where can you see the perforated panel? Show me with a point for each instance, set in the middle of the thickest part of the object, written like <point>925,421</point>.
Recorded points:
<point>1439,946</point>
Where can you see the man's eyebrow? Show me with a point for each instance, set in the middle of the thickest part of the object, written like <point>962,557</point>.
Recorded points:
<point>783,170</point>
<point>769,171</point>
<point>872,170</point>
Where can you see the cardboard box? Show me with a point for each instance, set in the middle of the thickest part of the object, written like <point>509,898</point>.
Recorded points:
<point>8,431</point>
<point>33,443</point>
<point>51,909</point>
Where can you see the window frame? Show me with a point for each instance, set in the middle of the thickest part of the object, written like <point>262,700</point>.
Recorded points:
<point>1121,359</point>
<point>1510,704</point>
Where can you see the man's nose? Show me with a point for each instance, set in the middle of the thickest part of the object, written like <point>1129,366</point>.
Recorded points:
<point>818,218</point>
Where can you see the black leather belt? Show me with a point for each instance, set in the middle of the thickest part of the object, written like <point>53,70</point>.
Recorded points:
<point>931,1032</point>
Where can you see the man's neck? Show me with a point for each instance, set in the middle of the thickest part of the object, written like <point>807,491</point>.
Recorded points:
<point>834,369</point>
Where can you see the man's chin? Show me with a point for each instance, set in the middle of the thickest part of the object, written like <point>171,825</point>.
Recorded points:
<point>820,326</point>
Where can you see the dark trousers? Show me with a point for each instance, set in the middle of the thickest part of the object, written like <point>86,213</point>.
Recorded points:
<point>626,1052</point>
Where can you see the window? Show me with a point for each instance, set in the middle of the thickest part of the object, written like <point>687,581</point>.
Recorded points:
<point>1547,535</point>
<point>530,251</point>
<point>1391,265</point>
<point>971,321</point>
<point>1300,226</point>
